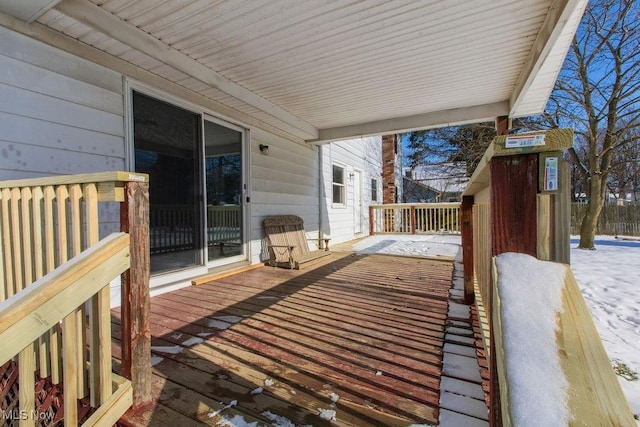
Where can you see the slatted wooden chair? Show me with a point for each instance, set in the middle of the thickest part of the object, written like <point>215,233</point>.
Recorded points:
<point>287,242</point>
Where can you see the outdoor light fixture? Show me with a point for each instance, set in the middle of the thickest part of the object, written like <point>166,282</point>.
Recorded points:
<point>264,149</point>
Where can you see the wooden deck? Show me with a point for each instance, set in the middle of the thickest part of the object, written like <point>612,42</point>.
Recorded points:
<point>367,330</point>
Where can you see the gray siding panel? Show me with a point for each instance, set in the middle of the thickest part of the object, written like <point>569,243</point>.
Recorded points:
<point>284,182</point>
<point>25,103</point>
<point>36,79</point>
<point>360,154</point>
<point>59,114</point>
<point>29,131</point>
<point>30,51</point>
<point>36,159</point>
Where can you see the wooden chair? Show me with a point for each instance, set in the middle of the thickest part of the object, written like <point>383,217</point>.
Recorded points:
<point>287,242</point>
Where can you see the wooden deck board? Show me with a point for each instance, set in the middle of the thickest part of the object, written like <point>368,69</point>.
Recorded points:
<point>368,328</point>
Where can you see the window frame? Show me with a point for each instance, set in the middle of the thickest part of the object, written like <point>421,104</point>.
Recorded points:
<point>342,185</point>
<point>374,190</point>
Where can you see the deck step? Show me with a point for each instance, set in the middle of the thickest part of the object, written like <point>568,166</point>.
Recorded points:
<point>450,418</point>
<point>462,398</point>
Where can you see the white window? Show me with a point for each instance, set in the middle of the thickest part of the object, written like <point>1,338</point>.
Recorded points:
<point>374,190</point>
<point>339,193</point>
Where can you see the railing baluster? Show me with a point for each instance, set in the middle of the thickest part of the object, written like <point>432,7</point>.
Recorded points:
<point>70,369</point>
<point>6,270</point>
<point>75,203</point>
<point>50,202</point>
<point>16,242</point>
<point>62,194</point>
<point>26,358</point>
<point>99,317</point>
<point>27,393</point>
<point>37,198</point>
<point>26,228</point>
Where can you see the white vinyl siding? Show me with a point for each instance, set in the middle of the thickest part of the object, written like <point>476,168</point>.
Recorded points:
<point>283,182</point>
<point>61,114</point>
<point>56,119</point>
<point>356,155</point>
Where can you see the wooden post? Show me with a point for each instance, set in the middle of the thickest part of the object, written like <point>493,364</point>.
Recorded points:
<point>509,169</point>
<point>514,192</point>
<point>545,228</point>
<point>514,188</point>
<point>466,229</point>
<point>413,220</point>
<point>371,221</point>
<point>562,216</point>
<point>135,309</point>
<point>503,124</point>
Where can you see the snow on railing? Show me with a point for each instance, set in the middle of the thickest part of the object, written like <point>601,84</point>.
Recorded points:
<point>551,363</point>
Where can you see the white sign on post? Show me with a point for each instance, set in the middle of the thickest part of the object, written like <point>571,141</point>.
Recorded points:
<point>524,141</point>
<point>551,174</point>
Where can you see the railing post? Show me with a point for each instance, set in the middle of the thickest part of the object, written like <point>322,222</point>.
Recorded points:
<point>371,221</point>
<point>514,188</point>
<point>136,334</point>
<point>466,230</point>
<point>413,219</point>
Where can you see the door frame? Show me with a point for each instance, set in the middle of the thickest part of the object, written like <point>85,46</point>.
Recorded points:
<point>168,279</point>
<point>245,159</point>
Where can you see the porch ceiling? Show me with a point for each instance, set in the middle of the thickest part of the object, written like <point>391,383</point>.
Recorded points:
<point>326,70</point>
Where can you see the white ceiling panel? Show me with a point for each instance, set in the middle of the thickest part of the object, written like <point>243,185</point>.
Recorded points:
<point>320,69</point>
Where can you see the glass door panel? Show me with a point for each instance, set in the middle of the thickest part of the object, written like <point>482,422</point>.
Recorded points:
<point>167,147</point>
<point>223,176</point>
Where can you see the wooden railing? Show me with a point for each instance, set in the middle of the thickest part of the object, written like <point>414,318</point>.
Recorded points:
<point>173,227</point>
<point>614,220</point>
<point>47,221</point>
<point>592,396</point>
<point>482,248</point>
<point>223,224</point>
<point>414,218</point>
<point>51,307</point>
<point>518,201</point>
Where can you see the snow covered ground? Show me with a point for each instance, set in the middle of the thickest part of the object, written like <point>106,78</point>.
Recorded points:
<point>447,245</point>
<point>609,279</point>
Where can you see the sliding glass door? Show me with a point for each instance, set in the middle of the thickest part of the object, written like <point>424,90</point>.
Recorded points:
<point>223,172</point>
<point>196,173</point>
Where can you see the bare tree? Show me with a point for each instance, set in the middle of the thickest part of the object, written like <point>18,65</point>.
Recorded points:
<point>460,144</point>
<point>598,94</point>
<point>624,177</point>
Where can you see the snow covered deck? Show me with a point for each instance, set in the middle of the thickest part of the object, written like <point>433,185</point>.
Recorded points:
<point>355,338</point>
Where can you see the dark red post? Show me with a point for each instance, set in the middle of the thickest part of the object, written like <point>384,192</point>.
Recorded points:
<point>136,332</point>
<point>466,229</point>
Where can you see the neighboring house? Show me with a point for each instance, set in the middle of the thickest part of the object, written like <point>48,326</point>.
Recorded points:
<point>447,181</point>
<point>417,192</point>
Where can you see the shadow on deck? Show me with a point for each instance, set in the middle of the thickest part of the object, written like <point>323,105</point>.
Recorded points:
<point>361,335</point>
